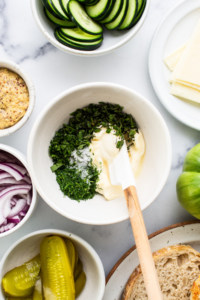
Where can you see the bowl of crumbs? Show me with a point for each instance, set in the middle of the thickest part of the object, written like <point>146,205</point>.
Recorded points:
<point>17,97</point>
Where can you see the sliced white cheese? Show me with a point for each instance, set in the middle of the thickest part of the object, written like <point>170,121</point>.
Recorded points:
<point>172,59</point>
<point>185,92</point>
<point>187,70</point>
<point>185,66</point>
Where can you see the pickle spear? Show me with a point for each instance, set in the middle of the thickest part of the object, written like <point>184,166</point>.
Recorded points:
<point>78,269</point>
<point>73,255</point>
<point>14,298</point>
<point>80,283</point>
<point>57,275</point>
<point>37,294</point>
<point>20,281</point>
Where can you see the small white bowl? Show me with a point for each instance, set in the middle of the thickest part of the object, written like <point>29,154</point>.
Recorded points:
<point>112,39</point>
<point>156,164</point>
<point>17,69</point>
<point>22,159</point>
<point>29,246</point>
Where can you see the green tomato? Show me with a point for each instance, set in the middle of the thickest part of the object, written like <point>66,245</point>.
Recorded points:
<point>188,183</point>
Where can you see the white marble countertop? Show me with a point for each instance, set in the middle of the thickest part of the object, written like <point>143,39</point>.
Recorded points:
<point>53,72</point>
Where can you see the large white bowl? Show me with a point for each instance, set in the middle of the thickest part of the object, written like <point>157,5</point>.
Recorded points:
<point>29,246</point>
<point>14,152</point>
<point>112,40</point>
<point>17,69</point>
<point>156,163</point>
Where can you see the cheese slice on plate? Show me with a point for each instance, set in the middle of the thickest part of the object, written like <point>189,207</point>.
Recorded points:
<point>185,66</point>
<point>187,69</point>
<point>172,59</point>
<point>185,92</point>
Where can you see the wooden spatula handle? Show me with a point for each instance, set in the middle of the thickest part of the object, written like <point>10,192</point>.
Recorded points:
<point>142,244</point>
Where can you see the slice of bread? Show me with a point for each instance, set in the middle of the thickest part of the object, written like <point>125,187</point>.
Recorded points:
<point>195,290</point>
<point>177,267</point>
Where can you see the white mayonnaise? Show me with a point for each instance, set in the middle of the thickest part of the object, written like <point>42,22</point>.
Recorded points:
<point>103,149</point>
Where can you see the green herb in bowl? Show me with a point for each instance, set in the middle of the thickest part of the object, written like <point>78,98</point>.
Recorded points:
<point>75,171</point>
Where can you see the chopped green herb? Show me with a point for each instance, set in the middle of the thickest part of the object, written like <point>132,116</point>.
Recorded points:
<point>74,186</point>
<point>75,136</point>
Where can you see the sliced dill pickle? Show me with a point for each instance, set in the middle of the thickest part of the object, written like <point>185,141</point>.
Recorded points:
<point>80,283</point>
<point>20,281</point>
<point>14,298</point>
<point>57,275</point>
<point>73,255</point>
<point>37,294</point>
<point>78,269</point>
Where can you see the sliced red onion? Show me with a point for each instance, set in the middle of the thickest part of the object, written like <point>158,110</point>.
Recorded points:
<point>7,157</point>
<point>15,219</point>
<point>14,172</point>
<point>20,205</point>
<point>5,175</point>
<point>6,227</point>
<point>14,187</point>
<point>15,192</point>
<point>13,201</point>
<point>20,169</point>
<point>5,201</point>
<point>22,214</point>
<point>27,179</point>
<point>26,208</point>
<point>29,198</point>
<point>9,180</point>
<point>6,208</point>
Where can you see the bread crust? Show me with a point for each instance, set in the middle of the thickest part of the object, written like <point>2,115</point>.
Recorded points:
<point>164,252</point>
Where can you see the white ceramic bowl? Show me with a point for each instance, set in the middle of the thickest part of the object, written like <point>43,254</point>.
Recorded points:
<point>29,246</point>
<point>156,163</point>
<point>17,69</point>
<point>112,40</point>
<point>21,158</point>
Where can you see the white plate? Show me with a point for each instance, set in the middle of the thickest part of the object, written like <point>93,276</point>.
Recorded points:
<point>176,234</point>
<point>174,31</point>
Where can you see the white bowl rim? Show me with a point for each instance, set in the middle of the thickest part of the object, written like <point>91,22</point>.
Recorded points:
<point>80,240</point>
<point>98,51</point>
<point>59,98</point>
<point>16,153</point>
<point>8,64</point>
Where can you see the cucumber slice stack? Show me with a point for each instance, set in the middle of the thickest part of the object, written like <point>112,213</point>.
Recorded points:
<point>79,23</point>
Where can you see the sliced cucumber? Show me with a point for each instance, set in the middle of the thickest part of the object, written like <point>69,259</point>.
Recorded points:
<point>114,12</point>
<point>77,45</point>
<point>92,2</point>
<point>77,19</point>
<point>83,1</point>
<point>64,5</point>
<point>140,3</point>
<point>139,14</point>
<point>56,21</point>
<point>77,34</point>
<point>57,7</point>
<point>118,21</point>
<point>130,15</point>
<point>98,10</point>
<point>50,8</point>
<point>107,12</point>
<point>81,18</point>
